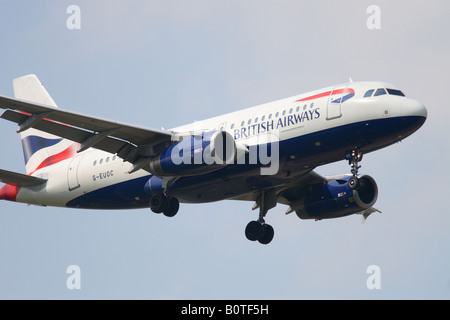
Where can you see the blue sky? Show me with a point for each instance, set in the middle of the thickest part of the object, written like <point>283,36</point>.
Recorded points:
<point>166,63</point>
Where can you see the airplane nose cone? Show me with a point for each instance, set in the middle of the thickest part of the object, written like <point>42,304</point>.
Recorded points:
<point>414,108</point>
<point>414,115</point>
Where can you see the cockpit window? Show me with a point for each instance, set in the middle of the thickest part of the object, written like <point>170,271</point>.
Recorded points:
<point>368,93</point>
<point>395,92</point>
<point>380,92</point>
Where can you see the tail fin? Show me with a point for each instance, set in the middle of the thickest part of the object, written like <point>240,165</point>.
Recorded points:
<point>40,149</point>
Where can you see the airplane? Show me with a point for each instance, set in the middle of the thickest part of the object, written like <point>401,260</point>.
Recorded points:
<point>265,154</point>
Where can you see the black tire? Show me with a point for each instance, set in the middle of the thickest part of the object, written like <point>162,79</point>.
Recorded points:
<point>158,203</point>
<point>268,234</point>
<point>172,207</point>
<point>353,183</point>
<point>254,230</point>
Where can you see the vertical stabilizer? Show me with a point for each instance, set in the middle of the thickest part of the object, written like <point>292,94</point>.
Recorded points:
<point>40,149</point>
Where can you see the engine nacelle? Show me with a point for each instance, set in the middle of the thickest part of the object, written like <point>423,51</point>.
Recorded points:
<point>335,199</point>
<point>196,155</point>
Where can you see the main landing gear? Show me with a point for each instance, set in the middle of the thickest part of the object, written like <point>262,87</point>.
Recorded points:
<point>353,159</point>
<point>259,230</point>
<point>167,205</point>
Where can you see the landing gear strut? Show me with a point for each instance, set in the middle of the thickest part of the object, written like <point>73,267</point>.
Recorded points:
<point>259,230</point>
<point>161,203</point>
<point>353,159</point>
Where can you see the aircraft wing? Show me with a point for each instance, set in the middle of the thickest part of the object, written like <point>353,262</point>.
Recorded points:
<point>132,143</point>
<point>291,191</point>
<point>18,179</point>
<point>287,194</point>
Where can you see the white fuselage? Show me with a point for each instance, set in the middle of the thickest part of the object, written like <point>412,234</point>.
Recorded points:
<point>288,118</point>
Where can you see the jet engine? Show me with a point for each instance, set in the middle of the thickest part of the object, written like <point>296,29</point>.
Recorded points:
<point>197,154</point>
<point>335,199</point>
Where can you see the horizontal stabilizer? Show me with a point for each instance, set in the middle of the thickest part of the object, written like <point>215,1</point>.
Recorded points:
<point>18,179</point>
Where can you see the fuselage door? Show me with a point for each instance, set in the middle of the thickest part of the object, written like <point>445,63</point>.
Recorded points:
<point>334,102</point>
<point>72,173</point>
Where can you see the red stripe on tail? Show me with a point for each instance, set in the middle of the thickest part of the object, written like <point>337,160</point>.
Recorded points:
<point>66,154</point>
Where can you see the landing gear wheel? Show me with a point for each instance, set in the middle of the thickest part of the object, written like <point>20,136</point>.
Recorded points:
<point>254,230</point>
<point>268,234</point>
<point>261,232</point>
<point>353,183</point>
<point>172,207</point>
<point>158,203</point>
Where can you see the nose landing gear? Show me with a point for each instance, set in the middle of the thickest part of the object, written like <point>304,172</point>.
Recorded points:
<point>354,157</point>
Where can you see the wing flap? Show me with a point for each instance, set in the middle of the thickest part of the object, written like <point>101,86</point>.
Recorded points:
<point>18,179</point>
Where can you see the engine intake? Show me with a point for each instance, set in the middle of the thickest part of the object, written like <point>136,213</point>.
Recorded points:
<point>335,199</point>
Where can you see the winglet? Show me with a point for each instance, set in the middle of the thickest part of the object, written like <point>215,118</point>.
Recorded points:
<point>29,88</point>
<point>366,213</point>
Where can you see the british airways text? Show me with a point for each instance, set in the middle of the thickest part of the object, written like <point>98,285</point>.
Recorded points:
<point>269,125</point>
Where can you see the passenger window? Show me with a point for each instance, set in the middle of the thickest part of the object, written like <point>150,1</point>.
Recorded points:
<point>276,114</point>
<point>242,123</point>
<point>284,112</point>
<point>270,116</point>
<point>368,93</point>
<point>290,110</point>
<point>379,92</point>
<point>249,121</point>
<point>262,118</point>
<point>256,119</point>
<point>232,126</point>
<point>298,109</point>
